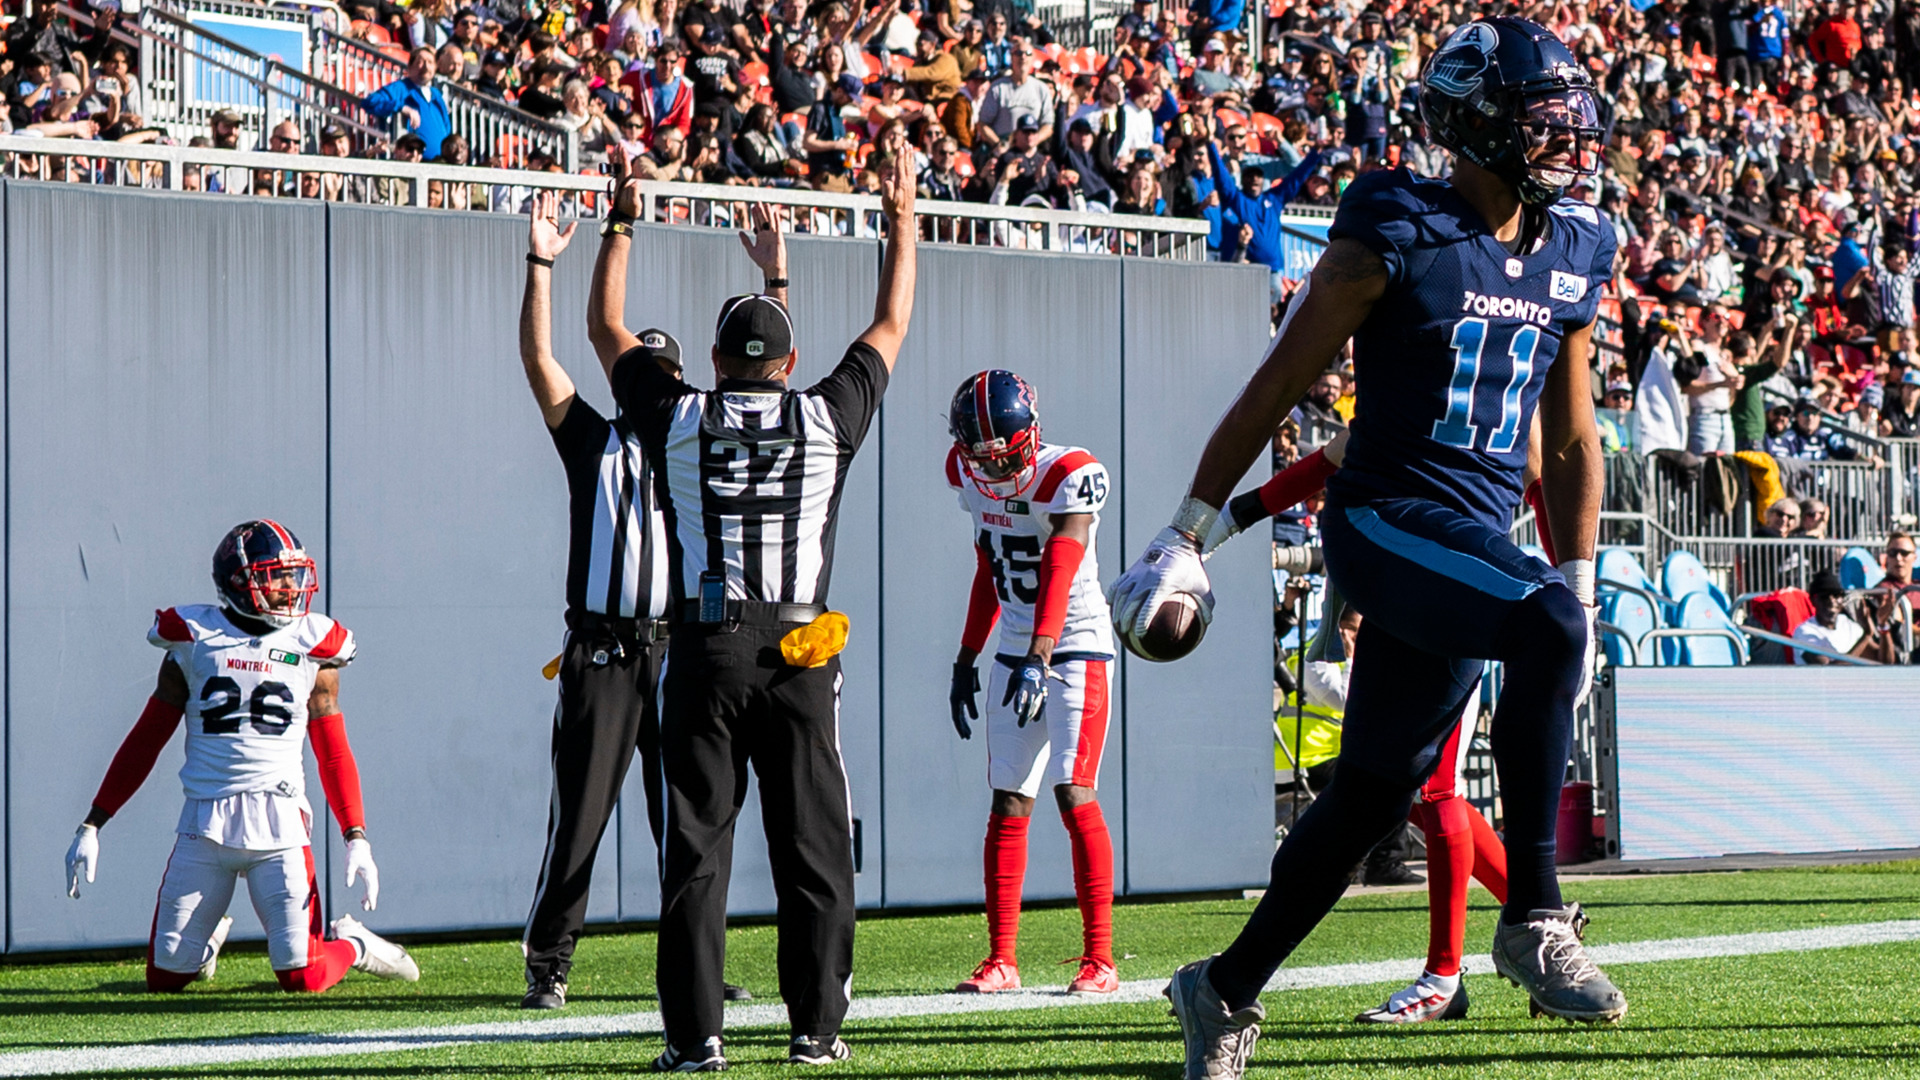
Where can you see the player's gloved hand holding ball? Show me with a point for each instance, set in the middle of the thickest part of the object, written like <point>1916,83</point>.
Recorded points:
<point>1172,566</point>
<point>966,683</point>
<point>1027,690</point>
<point>360,864</point>
<point>82,855</point>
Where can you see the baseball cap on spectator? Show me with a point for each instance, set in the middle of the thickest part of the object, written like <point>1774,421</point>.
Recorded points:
<point>229,116</point>
<point>1214,45</point>
<point>496,58</point>
<point>849,85</point>
<point>1910,377</point>
<point>1027,123</point>
<point>1138,86</point>
<point>978,75</point>
<point>1823,272</point>
<point>1805,405</point>
<point>1873,397</point>
<point>1080,127</point>
<point>1826,583</point>
<point>754,327</point>
<point>331,132</point>
<point>1619,386</point>
<point>410,141</point>
<point>660,345</point>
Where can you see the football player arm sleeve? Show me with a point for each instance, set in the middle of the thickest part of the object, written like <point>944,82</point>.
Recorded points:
<point>983,607</point>
<point>142,746</point>
<point>333,755</point>
<point>1059,563</point>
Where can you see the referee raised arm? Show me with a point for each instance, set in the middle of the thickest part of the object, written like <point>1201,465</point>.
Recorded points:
<point>750,476</point>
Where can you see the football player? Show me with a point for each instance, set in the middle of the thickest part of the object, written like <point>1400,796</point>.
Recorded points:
<point>1469,302</point>
<point>254,678</point>
<point>1035,509</point>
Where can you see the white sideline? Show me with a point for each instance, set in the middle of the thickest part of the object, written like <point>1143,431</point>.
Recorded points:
<point>186,1055</point>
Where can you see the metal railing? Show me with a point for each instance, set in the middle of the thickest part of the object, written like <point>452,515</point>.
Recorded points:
<point>974,224</point>
<point>315,14</point>
<point>496,132</point>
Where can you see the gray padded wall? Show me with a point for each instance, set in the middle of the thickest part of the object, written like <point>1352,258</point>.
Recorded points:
<point>146,419</point>
<point>1055,320</point>
<point>449,520</point>
<point>1199,736</point>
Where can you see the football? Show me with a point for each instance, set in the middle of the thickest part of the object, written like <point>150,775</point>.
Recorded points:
<point>1173,631</point>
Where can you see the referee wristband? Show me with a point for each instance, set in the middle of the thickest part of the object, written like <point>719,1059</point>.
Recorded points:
<point>536,260</point>
<point>776,283</point>
<point>617,227</point>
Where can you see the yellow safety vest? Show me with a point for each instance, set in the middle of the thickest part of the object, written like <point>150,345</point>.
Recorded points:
<point>1319,735</point>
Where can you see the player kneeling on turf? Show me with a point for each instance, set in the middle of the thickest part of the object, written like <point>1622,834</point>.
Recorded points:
<point>1035,509</point>
<point>251,677</point>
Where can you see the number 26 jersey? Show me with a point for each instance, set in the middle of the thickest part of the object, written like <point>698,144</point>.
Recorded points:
<point>246,714</point>
<point>1014,531</point>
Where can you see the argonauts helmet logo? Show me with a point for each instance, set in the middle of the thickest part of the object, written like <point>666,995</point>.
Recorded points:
<point>1456,69</point>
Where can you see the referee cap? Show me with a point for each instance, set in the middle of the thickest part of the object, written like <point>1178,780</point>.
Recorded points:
<point>660,345</point>
<point>754,327</point>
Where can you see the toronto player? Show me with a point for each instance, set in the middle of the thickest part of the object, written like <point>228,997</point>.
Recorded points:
<point>1035,509</point>
<point>1469,302</point>
<point>254,678</point>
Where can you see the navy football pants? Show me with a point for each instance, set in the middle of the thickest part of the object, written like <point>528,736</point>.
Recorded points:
<point>1441,594</point>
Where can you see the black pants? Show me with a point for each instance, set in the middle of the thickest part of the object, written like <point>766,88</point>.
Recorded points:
<point>728,699</point>
<point>606,711</point>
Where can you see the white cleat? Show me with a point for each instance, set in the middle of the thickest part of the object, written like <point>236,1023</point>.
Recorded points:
<point>215,941</point>
<point>378,956</point>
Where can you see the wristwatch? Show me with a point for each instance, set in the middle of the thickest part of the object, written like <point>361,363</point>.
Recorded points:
<point>617,226</point>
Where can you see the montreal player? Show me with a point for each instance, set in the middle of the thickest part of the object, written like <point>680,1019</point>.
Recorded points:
<point>1035,509</point>
<point>254,678</point>
<point>1469,302</point>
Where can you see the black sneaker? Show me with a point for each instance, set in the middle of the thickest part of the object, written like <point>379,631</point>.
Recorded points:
<point>707,1058</point>
<point>547,993</point>
<point>1389,871</point>
<point>807,1050</point>
<point>731,992</point>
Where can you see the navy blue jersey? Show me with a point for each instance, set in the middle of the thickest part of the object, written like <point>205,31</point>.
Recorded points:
<point>1452,359</point>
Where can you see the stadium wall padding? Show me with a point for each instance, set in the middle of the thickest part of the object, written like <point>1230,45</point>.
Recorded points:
<point>178,363</point>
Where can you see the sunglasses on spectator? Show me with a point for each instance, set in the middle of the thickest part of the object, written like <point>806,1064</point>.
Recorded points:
<point>280,140</point>
<point>1899,553</point>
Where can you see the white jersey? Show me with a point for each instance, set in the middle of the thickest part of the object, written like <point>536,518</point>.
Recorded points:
<point>246,714</point>
<point>1013,532</point>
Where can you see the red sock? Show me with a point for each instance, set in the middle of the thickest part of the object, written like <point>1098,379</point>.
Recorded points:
<point>1092,876</point>
<point>160,981</point>
<point>327,963</point>
<point>1449,868</point>
<point>1489,857</point>
<point>1006,873</point>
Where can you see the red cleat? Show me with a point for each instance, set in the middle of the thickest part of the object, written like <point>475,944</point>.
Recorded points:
<point>1096,977</point>
<point>992,976</point>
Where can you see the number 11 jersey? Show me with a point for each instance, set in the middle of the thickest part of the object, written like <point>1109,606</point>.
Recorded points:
<point>1013,531</point>
<point>246,715</point>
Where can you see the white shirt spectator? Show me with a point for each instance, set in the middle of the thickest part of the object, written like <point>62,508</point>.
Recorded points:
<point>1136,132</point>
<point>1326,685</point>
<point>1842,638</point>
<point>1007,102</point>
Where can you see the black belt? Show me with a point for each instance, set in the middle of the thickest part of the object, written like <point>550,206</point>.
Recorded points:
<point>638,631</point>
<point>755,612</point>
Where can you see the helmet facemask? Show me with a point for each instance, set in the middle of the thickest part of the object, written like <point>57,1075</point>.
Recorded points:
<point>993,466</point>
<point>278,590</point>
<point>1561,118</point>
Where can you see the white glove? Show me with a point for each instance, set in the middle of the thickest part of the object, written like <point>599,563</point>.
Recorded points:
<point>1223,530</point>
<point>82,855</point>
<point>1580,574</point>
<point>1587,662</point>
<point>1171,564</point>
<point>360,864</point>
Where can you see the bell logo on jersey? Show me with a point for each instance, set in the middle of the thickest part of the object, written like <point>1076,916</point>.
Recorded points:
<point>1018,506</point>
<point>1571,288</point>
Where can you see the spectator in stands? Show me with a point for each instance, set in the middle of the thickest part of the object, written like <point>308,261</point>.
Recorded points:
<point>115,89</point>
<point>1024,171</point>
<point>1782,519</point>
<point>492,82</point>
<point>1892,292</point>
<point>1807,440</point>
<point>1019,95</point>
<point>935,76</point>
<point>1710,392</point>
<point>1749,401</point>
<point>827,140</point>
<point>421,105</point>
<point>1615,419</point>
<point>1900,418</point>
<point>1831,627</point>
<point>225,129</point>
<point>543,95</point>
<point>45,34</point>
<point>337,187</point>
<point>1814,519</point>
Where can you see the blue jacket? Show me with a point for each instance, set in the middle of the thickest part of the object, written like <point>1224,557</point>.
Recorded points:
<point>1204,186</point>
<point>436,123</point>
<point>1262,211</point>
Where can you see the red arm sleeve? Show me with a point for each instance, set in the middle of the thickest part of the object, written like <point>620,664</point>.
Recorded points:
<point>339,776</point>
<point>1059,562</point>
<point>983,606</point>
<point>1536,498</point>
<point>1291,485</point>
<point>137,753</point>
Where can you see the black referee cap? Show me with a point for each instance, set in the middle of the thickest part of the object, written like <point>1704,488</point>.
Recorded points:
<point>660,345</point>
<point>754,327</point>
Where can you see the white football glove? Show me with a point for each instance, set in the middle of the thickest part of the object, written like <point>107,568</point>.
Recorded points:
<point>1580,578</point>
<point>360,864</point>
<point>1171,564</point>
<point>82,855</point>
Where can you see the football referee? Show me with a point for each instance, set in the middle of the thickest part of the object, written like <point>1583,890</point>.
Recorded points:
<point>749,477</point>
<point>616,630</point>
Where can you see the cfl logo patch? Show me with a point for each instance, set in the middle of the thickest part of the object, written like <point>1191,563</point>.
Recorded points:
<point>654,341</point>
<point>1570,288</point>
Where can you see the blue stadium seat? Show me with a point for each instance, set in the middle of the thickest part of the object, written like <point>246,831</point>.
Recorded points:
<point>1618,564</point>
<point>1859,569</point>
<point>1682,575</point>
<point>1633,615</point>
<point>1699,611</point>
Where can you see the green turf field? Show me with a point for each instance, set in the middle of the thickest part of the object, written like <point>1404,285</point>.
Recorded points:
<point>1840,1012</point>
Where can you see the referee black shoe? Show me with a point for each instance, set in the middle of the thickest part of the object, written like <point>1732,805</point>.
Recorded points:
<point>730,992</point>
<point>707,1058</point>
<point>547,993</point>
<point>807,1050</point>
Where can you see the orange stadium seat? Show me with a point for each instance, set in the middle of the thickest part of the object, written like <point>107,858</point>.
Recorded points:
<point>755,73</point>
<point>375,34</point>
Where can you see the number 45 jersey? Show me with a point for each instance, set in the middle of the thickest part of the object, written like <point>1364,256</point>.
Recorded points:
<point>246,713</point>
<point>1452,359</point>
<point>1013,531</point>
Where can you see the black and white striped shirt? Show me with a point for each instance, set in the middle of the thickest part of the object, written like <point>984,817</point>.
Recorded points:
<point>616,553</point>
<point>750,473</point>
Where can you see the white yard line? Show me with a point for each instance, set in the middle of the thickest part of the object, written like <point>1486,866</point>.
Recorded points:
<point>187,1055</point>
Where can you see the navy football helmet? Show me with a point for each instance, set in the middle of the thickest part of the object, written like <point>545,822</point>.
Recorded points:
<point>995,423</point>
<point>1501,89</point>
<point>263,573</point>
